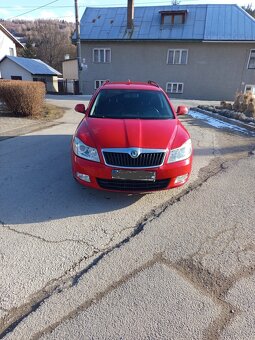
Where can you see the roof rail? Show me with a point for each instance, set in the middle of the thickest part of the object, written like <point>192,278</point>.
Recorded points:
<point>106,82</point>
<point>151,82</point>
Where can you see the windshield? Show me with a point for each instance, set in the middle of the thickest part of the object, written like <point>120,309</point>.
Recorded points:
<point>130,104</point>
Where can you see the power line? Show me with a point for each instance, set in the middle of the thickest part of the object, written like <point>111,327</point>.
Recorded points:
<point>111,4</point>
<point>32,10</point>
<point>153,2</point>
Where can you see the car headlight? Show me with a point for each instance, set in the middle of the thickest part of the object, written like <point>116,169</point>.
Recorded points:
<point>181,153</point>
<point>84,151</point>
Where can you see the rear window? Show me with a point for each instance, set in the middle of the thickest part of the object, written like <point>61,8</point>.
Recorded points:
<point>130,104</point>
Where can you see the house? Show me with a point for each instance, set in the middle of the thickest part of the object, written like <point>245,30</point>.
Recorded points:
<point>204,52</point>
<point>18,68</point>
<point>8,43</point>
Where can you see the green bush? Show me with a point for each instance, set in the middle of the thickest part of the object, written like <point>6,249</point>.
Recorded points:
<point>23,98</point>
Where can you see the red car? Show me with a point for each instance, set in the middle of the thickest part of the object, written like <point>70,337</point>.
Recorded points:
<point>131,140</point>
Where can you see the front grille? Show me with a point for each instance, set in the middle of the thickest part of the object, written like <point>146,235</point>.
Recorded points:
<point>123,159</point>
<point>127,185</point>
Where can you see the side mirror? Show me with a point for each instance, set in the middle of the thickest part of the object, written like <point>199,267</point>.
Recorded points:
<point>182,110</point>
<point>80,108</point>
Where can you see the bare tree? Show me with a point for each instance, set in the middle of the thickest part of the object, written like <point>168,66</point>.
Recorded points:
<point>52,43</point>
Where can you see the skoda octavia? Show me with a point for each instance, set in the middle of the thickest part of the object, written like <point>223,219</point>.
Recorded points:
<point>131,140</point>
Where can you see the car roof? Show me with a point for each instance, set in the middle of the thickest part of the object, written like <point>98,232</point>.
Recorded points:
<point>128,85</point>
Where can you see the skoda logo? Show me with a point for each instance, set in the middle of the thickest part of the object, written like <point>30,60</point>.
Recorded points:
<point>134,153</point>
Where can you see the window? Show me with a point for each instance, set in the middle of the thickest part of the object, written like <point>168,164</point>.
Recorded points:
<point>250,88</point>
<point>16,77</point>
<point>101,55</point>
<point>131,104</point>
<point>177,57</point>
<point>173,17</point>
<point>251,62</point>
<point>99,83</point>
<point>11,51</point>
<point>174,87</point>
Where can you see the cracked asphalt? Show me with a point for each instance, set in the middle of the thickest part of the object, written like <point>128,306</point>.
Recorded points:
<point>82,264</point>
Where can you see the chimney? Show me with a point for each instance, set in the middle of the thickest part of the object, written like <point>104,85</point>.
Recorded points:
<point>130,14</point>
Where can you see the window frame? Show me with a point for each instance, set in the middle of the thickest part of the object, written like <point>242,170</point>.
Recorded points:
<point>175,50</point>
<point>104,49</point>
<point>16,77</point>
<point>171,84</point>
<point>101,82</point>
<point>11,51</point>
<point>172,15</point>
<point>249,59</point>
<point>250,85</point>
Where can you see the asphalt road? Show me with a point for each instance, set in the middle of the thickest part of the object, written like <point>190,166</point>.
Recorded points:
<point>85,264</point>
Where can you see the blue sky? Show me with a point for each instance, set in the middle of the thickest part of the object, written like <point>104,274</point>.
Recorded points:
<point>64,9</point>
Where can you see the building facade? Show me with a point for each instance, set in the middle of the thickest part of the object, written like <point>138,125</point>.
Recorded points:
<point>193,52</point>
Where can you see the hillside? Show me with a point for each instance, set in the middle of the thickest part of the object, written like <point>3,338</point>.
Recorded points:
<point>48,40</point>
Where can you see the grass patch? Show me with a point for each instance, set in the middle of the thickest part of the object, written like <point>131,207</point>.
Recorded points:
<point>49,112</point>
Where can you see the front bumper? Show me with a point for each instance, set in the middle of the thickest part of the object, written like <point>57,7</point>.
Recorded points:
<point>100,176</point>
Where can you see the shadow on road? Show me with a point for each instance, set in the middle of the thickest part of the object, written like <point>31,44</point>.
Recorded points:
<point>37,184</point>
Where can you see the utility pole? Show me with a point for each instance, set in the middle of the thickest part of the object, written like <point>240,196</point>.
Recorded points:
<point>78,40</point>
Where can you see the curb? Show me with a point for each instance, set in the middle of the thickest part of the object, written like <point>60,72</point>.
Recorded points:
<point>12,133</point>
<point>225,119</point>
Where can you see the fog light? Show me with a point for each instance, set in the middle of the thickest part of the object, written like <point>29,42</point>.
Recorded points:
<point>181,179</point>
<point>83,177</point>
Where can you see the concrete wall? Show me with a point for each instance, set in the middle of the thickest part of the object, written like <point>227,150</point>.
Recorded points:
<point>51,82</point>
<point>215,71</point>
<point>54,84</point>
<point>5,44</point>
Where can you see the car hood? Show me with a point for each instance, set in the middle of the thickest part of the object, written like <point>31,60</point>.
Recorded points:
<point>124,133</point>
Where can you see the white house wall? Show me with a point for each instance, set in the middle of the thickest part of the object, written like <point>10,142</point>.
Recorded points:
<point>8,69</point>
<point>5,44</point>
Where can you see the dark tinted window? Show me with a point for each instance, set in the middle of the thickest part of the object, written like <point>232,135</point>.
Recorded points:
<point>131,104</point>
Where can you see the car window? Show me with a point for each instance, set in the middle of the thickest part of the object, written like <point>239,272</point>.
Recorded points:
<point>129,104</point>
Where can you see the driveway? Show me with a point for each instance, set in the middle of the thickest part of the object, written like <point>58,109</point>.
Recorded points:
<point>79,263</point>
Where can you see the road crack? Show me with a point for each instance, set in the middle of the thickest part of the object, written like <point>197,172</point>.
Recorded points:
<point>214,282</point>
<point>42,239</point>
<point>68,279</point>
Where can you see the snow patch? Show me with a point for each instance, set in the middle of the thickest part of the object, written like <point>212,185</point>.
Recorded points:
<point>219,124</point>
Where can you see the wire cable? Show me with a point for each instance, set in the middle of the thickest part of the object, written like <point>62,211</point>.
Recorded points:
<point>32,10</point>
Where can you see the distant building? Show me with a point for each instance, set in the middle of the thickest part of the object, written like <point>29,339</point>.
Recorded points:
<point>8,43</point>
<point>192,51</point>
<point>70,69</point>
<point>18,68</point>
<point>70,83</point>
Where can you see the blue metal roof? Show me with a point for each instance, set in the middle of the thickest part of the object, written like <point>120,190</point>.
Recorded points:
<point>203,22</point>
<point>34,66</point>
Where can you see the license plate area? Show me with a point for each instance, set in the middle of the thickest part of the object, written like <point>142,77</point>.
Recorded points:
<point>134,175</point>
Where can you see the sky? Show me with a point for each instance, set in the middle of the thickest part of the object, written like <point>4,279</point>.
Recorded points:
<point>64,9</point>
